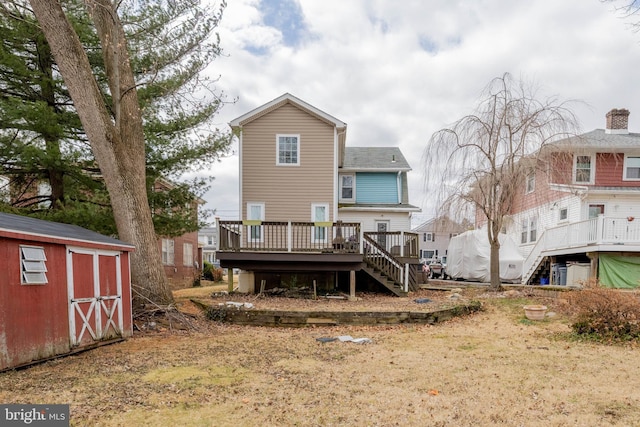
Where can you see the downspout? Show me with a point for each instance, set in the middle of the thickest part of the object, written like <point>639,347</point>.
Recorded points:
<point>399,185</point>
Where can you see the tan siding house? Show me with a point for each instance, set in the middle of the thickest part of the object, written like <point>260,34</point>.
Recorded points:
<point>301,222</point>
<point>288,190</point>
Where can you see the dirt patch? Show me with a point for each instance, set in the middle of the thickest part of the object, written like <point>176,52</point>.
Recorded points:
<point>491,368</point>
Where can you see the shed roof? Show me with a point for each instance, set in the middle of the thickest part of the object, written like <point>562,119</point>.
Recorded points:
<point>41,230</point>
<point>375,158</point>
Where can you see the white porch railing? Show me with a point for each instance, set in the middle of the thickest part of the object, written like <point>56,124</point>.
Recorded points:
<point>595,231</point>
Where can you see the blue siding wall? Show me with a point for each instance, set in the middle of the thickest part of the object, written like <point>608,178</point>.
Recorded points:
<point>376,187</point>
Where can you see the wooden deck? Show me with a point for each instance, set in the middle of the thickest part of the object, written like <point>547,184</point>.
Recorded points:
<point>266,246</point>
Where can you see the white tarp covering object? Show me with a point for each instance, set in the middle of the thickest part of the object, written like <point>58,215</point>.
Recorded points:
<point>469,254</point>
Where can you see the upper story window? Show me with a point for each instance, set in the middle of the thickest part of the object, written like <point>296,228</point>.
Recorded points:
<point>32,265</point>
<point>531,183</point>
<point>583,169</point>
<point>631,168</point>
<point>288,150</point>
<point>347,187</point>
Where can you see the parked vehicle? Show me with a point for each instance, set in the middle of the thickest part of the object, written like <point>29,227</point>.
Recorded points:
<point>437,268</point>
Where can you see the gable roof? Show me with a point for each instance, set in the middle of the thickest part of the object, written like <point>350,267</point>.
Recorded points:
<point>375,159</point>
<point>37,229</point>
<point>286,98</point>
<point>600,140</point>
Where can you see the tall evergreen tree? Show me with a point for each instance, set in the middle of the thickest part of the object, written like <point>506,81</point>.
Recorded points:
<point>43,145</point>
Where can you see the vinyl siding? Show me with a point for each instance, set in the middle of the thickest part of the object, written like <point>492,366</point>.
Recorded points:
<point>398,221</point>
<point>287,191</point>
<point>376,187</point>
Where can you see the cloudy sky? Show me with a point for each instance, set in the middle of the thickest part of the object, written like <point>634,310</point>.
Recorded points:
<point>397,71</point>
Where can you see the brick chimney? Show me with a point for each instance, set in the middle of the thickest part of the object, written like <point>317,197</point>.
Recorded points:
<point>618,121</point>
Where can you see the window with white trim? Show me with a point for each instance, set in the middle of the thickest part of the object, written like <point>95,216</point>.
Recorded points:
<point>288,150</point>
<point>33,268</point>
<point>583,169</point>
<point>631,168</point>
<point>563,214</point>
<point>187,254</point>
<point>529,229</point>
<point>347,187</point>
<point>255,212</point>
<point>4,189</point>
<point>531,183</point>
<point>319,213</point>
<point>168,251</point>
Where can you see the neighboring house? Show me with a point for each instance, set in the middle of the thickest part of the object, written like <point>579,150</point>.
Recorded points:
<point>208,240</point>
<point>314,210</point>
<point>63,288</point>
<point>435,234</point>
<point>181,255</point>
<point>580,217</point>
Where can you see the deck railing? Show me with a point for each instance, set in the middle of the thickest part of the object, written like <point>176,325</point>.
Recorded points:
<point>594,231</point>
<point>397,243</point>
<point>271,236</point>
<point>379,258</point>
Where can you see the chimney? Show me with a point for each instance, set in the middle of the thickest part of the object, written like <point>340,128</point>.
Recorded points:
<point>618,121</point>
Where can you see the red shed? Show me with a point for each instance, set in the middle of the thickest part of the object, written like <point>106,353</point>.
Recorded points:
<point>62,288</point>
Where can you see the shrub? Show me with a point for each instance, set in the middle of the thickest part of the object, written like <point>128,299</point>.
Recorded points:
<point>606,314</point>
<point>207,271</point>
<point>217,275</point>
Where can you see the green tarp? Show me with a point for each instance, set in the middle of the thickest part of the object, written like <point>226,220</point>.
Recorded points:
<point>619,271</point>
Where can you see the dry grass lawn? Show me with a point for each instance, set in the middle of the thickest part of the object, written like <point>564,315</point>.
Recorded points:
<point>491,368</point>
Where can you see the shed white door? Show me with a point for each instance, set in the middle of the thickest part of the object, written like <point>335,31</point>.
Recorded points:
<point>94,282</point>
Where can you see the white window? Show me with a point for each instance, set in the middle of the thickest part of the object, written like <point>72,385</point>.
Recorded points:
<point>288,150</point>
<point>533,229</point>
<point>531,183</point>
<point>347,187</point>
<point>209,240</point>
<point>631,168</point>
<point>187,254</point>
<point>529,229</point>
<point>583,169</point>
<point>595,210</point>
<point>431,237</point>
<point>4,189</point>
<point>319,214</point>
<point>44,192</point>
<point>168,254</point>
<point>255,213</point>
<point>563,214</point>
<point>33,265</point>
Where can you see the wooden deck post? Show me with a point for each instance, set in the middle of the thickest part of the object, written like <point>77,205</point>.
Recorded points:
<point>230,279</point>
<point>352,285</point>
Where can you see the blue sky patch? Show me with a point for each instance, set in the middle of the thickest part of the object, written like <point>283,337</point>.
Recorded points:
<point>286,16</point>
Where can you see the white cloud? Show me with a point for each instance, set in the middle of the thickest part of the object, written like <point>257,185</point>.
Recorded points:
<point>398,71</point>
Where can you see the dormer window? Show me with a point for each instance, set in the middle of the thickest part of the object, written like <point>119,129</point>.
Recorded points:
<point>288,150</point>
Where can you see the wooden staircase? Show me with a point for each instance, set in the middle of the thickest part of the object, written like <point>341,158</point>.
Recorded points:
<point>385,268</point>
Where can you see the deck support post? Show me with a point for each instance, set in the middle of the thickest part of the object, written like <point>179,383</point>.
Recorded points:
<point>352,285</point>
<point>230,279</point>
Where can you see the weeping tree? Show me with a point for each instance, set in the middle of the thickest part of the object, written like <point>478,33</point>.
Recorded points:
<point>42,141</point>
<point>111,101</point>
<point>480,162</point>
